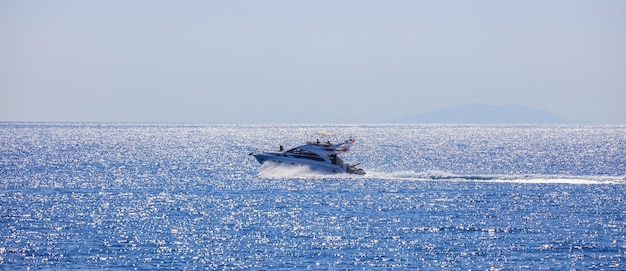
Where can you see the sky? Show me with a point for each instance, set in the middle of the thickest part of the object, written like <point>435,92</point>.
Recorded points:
<point>307,61</point>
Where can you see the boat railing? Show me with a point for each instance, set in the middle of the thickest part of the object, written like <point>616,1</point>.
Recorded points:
<point>319,143</point>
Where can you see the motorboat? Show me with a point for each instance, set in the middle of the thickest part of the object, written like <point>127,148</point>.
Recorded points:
<point>317,155</point>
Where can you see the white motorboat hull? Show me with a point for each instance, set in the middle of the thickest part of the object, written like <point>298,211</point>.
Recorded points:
<point>319,166</point>
<point>318,156</point>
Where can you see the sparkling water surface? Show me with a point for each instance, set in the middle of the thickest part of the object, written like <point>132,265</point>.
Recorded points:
<point>184,197</point>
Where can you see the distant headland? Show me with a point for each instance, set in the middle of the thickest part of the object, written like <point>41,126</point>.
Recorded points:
<point>487,114</point>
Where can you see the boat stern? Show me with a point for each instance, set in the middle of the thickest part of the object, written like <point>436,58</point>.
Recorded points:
<point>355,170</point>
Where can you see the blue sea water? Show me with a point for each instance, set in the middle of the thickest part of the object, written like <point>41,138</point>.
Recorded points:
<point>184,197</point>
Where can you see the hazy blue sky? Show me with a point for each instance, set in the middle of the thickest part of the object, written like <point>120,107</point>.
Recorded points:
<point>307,61</point>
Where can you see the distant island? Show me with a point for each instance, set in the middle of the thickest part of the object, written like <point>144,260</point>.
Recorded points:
<point>487,114</point>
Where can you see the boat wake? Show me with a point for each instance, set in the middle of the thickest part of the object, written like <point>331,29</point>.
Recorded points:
<point>274,170</point>
<point>271,170</point>
<point>441,175</point>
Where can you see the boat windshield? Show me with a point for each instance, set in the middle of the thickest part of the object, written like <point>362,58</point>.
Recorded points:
<point>335,159</point>
<point>300,153</point>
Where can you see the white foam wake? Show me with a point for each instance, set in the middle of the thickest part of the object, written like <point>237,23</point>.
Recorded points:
<point>273,170</point>
<point>442,175</point>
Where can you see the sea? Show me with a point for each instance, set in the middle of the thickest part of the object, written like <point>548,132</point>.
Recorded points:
<point>168,196</point>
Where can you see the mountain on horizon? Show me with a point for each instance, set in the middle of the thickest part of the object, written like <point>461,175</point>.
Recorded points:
<point>487,114</point>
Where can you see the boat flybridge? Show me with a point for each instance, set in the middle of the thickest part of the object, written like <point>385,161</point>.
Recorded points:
<point>315,154</point>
